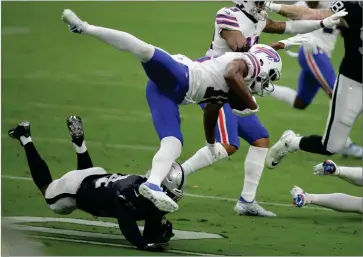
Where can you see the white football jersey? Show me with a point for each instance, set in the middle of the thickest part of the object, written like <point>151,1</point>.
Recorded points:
<point>234,18</point>
<point>206,76</point>
<point>323,38</point>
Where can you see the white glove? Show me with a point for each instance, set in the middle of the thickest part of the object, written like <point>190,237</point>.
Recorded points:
<point>245,112</point>
<point>311,47</point>
<point>294,41</point>
<point>213,150</point>
<point>333,20</point>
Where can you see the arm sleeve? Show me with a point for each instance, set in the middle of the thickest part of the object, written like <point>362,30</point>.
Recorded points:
<point>302,26</point>
<point>226,19</point>
<point>128,226</point>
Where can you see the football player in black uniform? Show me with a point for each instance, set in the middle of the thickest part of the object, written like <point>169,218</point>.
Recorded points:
<point>101,194</point>
<point>346,103</point>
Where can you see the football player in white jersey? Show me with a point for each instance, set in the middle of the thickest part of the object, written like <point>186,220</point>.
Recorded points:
<point>178,80</point>
<point>337,201</point>
<point>237,29</point>
<point>316,72</point>
<point>346,104</point>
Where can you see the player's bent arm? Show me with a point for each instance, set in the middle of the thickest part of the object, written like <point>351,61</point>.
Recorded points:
<point>128,226</point>
<point>295,12</point>
<point>234,76</point>
<point>235,40</point>
<point>210,118</point>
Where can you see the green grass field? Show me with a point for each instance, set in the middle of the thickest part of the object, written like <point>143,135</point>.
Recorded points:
<point>49,73</point>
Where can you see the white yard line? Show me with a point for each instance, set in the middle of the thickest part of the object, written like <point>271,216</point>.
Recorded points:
<point>201,196</point>
<point>113,245</point>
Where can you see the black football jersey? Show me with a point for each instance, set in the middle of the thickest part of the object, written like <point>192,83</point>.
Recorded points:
<point>351,65</point>
<point>101,195</point>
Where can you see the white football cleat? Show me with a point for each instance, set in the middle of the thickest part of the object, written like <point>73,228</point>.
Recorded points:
<point>326,168</point>
<point>251,209</point>
<point>299,196</point>
<point>75,24</point>
<point>279,150</point>
<point>158,197</point>
<point>353,150</point>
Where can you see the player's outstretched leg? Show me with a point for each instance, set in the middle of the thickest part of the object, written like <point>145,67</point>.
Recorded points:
<point>121,40</point>
<point>38,168</point>
<point>338,201</point>
<point>252,131</point>
<point>159,66</point>
<point>75,128</point>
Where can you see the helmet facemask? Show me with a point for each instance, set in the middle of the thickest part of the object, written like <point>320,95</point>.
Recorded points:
<point>263,85</point>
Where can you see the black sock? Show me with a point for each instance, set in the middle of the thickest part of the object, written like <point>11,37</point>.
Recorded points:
<point>38,167</point>
<point>84,161</point>
<point>313,144</point>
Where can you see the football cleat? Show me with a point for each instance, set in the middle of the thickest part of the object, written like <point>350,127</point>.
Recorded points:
<point>75,128</point>
<point>326,168</point>
<point>353,150</point>
<point>22,129</point>
<point>279,150</point>
<point>75,24</point>
<point>298,197</point>
<point>243,208</point>
<point>158,197</point>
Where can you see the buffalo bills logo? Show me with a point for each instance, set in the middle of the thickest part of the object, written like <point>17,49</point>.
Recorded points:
<point>271,55</point>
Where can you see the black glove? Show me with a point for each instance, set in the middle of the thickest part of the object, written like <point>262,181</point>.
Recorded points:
<point>167,230</point>
<point>155,247</point>
<point>158,233</point>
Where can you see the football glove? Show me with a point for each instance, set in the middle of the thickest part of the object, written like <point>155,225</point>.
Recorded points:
<point>167,230</point>
<point>294,41</point>
<point>334,19</point>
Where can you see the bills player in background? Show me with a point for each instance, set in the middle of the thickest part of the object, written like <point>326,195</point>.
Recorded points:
<point>346,104</point>
<point>338,201</point>
<point>237,29</point>
<point>177,80</point>
<point>316,72</point>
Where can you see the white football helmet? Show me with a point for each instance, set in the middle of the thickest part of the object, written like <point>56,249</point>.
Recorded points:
<point>255,8</point>
<point>271,65</point>
<point>173,183</point>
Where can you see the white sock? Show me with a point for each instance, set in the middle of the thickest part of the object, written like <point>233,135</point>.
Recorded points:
<point>337,202</point>
<point>294,144</point>
<point>25,140</point>
<point>203,158</point>
<point>353,175</point>
<point>82,148</point>
<point>284,94</point>
<point>170,150</point>
<point>123,41</point>
<point>254,164</point>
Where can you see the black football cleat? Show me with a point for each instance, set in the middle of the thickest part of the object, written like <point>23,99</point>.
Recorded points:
<point>75,127</point>
<point>22,129</point>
